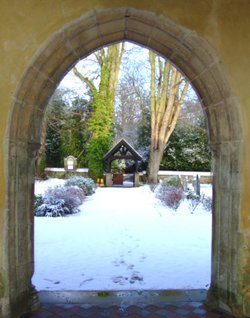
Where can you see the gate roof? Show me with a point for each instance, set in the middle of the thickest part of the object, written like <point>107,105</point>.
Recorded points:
<point>122,150</point>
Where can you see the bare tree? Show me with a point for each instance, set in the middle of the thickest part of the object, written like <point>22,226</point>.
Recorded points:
<point>131,102</point>
<point>168,89</point>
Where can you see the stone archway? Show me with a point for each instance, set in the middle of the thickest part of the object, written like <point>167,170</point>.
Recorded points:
<point>199,62</point>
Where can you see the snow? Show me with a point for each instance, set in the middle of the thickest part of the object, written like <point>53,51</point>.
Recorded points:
<point>42,186</point>
<point>63,169</point>
<point>184,173</point>
<point>123,239</point>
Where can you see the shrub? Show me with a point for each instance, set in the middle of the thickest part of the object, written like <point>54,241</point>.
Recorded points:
<point>174,181</point>
<point>86,184</point>
<point>58,208</point>
<point>193,200</point>
<point>60,201</point>
<point>38,200</point>
<point>40,168</point>
<point>171,196</point>
<point>206,203</point>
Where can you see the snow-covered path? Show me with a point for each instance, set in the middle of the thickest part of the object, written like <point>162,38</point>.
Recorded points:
<point>123,238</point>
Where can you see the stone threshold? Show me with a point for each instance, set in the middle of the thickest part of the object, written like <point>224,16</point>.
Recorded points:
<point>123,298</point>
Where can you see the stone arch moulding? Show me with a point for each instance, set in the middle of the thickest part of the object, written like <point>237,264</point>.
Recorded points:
<point>195,57</point>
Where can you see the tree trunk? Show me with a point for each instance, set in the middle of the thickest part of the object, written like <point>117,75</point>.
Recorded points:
<point>100,124</point>
<point>154,164</point>
<point>166,97</point>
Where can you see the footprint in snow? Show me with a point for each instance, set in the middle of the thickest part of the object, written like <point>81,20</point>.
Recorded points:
<point>136,277</point>
<point>116,263</point>
<point>142,258</point>
<point>86,281</point>
<point>56,282</point>
<point>131,266</point>
<point>120,280</point>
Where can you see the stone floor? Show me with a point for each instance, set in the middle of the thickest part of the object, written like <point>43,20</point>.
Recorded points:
<point>150,304</point>
<point>149,311</point>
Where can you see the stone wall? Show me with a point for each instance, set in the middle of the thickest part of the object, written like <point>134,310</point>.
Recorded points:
<point>205,177</point>
<point>61,173</point>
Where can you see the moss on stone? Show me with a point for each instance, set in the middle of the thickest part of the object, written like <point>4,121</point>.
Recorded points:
<point>2,286</point>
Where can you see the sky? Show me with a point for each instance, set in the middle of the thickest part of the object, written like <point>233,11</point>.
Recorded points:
<point>138,56</point>
<point>86,66</point>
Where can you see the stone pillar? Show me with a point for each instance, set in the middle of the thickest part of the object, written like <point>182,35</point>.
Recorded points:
<point>20,294</point>
<point>109,180</point>
<point>196,185</point>
<point>229,289</point>
<point>137,180</point>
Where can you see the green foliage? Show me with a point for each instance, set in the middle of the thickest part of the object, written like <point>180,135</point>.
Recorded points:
<point>100,124</point>
<point>187,148</point>
<point>96,150</point>
<point>41,165</point>
<point>56,112</point>
<point>67,132</point>
<point>118,166</point>
<point>101,131</point>
<point>104,294</point>
<point>174,181</point>
<point>86,184</point>
<point>38,201</point>
<point>74,133</point>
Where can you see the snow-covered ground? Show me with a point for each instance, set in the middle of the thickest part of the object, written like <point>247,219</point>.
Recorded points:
<point>123,239</point>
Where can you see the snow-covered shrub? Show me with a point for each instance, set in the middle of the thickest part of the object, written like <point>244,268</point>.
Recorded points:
<point>174,181</point>
<point>171,196</point>
<point>193,200</point>
<point>60,200</point>
<point>206,203</point>
<point>38,200</point>
<point>86,184</point>
<point>57,208</point>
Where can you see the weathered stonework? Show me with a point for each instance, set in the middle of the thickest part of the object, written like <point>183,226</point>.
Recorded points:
<point>207,40</point>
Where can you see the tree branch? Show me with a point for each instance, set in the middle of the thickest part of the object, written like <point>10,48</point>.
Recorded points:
<point>85,80</point>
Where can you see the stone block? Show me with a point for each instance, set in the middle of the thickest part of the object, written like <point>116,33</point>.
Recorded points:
<point>114,37</point>
<point>109,179</point>
<point>136,180</point>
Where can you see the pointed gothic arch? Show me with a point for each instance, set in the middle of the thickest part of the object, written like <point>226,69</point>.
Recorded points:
<point>199,62</point>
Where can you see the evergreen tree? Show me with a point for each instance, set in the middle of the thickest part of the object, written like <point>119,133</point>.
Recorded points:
<point>187,148</point>
<point>100,124</point>
<point>66,129</point>
<point>56,114</point>
<point>74,133</point>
